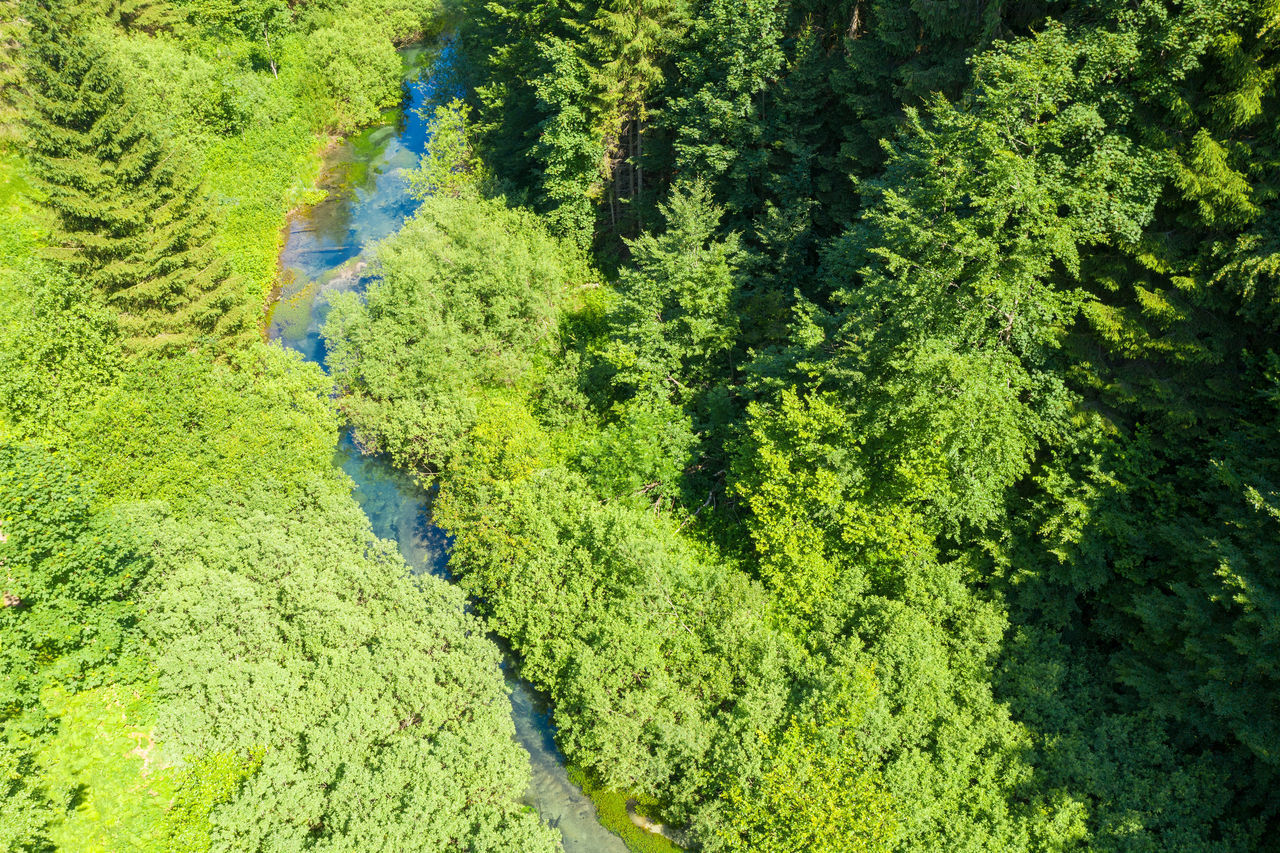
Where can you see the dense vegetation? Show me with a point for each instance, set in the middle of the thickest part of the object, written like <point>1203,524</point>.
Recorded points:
<point>859,417</point>
<point>911,482</point>
<point>202,644</point>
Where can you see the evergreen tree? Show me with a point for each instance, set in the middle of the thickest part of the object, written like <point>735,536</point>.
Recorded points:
<point>629,40</point>
<point>672,326</point>
<point>569,152</point>
<point>734,51</point>
<point>628,43</point>
<point>12,34</point>
<point>131,216</point>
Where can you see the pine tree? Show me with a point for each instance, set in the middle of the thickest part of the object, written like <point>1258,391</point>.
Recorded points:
<point>131,216</point>
<point>672,325</point>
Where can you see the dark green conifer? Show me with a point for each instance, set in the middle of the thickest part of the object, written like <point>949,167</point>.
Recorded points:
<point>130,214</point>
<point>12,34</point>
<point>143,16</point>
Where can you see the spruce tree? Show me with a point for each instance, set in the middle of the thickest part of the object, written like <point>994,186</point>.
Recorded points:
<point>628,42</point>
<point>12,33</point>
<point>143,16</point>
<point>629,39</point>
<point>130,214</point>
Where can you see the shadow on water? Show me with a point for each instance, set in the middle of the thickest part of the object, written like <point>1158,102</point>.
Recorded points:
<point>368,199</point>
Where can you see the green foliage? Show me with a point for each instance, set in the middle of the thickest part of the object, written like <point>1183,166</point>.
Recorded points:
<point>806,533</point>
<point>1064,213</point>
<point>58,354</point>
<point>200,787</point>
<point>261,174</point>
<point>569,152</point>
<point>849,556</point>
<point>103,768</point>
<point>25,810</point>
<point>251,20</point>
<point>659,663</point>
<point>818,790</point>
<point>564,93</point>
<point>672,325</point>
<point>357,68</point>
<point>68,573</point>
<point>628,40</point>
<point>65,618</point>
<point>144,16</point>
<point>466,297</point>
<point>286,634</point>
<point>990,371</point>
<point>184,430</point>
<point>400,21</point>
<point>366,705</point>
<point>205,98</point>
<point>451,167</point>
<point>198,437</point>
<point>734,52</point>
<point>330,641</point>
<point>641,453</point>
<point>960,315</point>
<point>132,218</point>
<point>12,31</point>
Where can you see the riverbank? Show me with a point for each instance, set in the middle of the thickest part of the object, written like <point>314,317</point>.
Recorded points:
<point>623,815</point>
<point>368,201</point>
<point>301,184</point>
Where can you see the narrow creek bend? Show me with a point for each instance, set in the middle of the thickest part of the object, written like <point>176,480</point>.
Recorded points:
<point>368,200</point>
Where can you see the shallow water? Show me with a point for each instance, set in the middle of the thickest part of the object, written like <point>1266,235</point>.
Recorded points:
<point>325,252</point>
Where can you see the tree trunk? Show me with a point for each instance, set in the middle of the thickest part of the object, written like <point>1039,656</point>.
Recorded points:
<point>271,60</point>
<point>640,155</point>
<point>631,161</point>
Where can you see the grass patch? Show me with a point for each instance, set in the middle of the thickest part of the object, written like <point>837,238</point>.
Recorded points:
<point>103,768</point>
<point>611,808</point>
<point>258,177</point>
<point>21,226</point>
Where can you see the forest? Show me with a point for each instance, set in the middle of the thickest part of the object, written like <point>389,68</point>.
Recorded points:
<point>851,415</point>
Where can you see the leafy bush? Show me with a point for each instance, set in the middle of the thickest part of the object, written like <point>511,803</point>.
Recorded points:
<point>367,708</point>
<point>357,69</point>
<point>183,430</point>
<point>465,297</point>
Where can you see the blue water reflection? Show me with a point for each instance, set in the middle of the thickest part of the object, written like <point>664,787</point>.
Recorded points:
<point>368,199</point>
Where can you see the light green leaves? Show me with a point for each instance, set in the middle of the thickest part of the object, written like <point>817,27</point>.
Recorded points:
<point>465,301</point>
<point>450,167</point>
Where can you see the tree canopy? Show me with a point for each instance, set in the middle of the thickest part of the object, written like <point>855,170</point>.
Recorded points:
<point>857,419</point>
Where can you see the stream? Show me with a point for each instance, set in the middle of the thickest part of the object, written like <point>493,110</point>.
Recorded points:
<point>368,200</point>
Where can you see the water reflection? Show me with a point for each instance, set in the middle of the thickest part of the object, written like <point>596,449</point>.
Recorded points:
<point>367,199</point>
<point>325,253</point>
